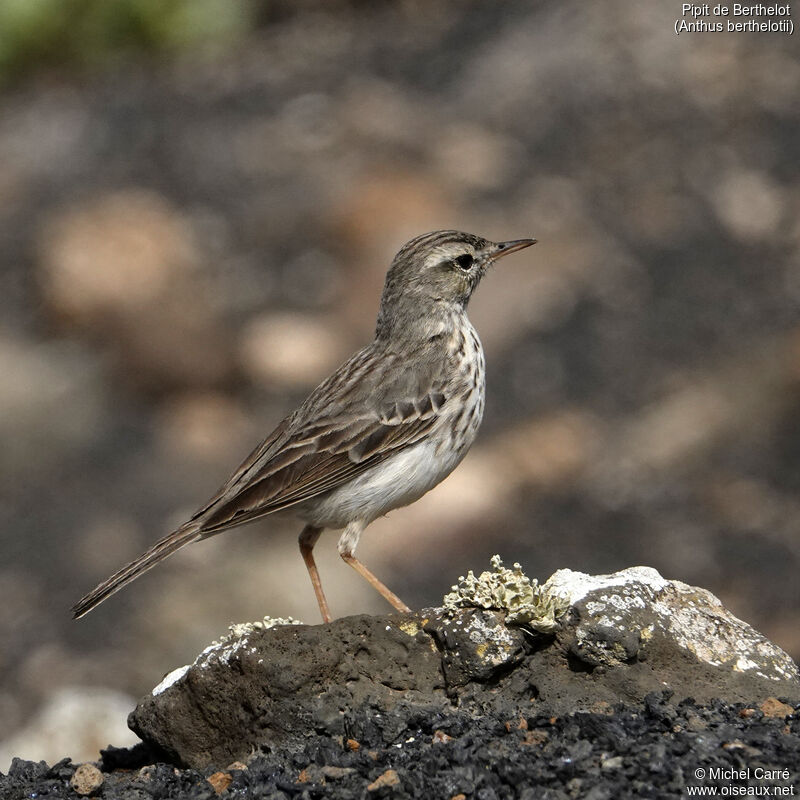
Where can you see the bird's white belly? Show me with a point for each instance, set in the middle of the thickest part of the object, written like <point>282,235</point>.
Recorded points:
<point>396,482</point>
<point>411,473</point>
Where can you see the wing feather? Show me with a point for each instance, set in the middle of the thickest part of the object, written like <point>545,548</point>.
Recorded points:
<point>280,485</point>
<point>332,438</point>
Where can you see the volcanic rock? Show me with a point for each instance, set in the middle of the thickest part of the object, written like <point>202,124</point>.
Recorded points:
<point>620,638</point>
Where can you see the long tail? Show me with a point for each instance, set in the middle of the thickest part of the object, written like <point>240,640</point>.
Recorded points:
<point>158,552</point>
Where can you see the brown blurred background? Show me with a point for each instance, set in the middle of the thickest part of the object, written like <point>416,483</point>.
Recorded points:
<point>198,203</point>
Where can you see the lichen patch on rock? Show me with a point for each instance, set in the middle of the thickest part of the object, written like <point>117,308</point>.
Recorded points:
<point>224,649</point>
<point>622,612</point>
<point>576,585</point>
<point>511,590</point>
<point>171,677</point>
<point>237,638</point>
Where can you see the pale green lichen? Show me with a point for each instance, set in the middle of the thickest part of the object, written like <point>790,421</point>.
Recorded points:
<point>237,639</point>
<point>240,629</point>
<point>511,590</point>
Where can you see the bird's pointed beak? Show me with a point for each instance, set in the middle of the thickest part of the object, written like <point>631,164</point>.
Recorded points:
<point>504,248</point>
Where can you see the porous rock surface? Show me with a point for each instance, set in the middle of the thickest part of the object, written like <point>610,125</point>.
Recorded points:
<point>623,636</point>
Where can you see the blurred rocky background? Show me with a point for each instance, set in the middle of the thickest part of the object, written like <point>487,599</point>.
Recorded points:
<point>198,203</point>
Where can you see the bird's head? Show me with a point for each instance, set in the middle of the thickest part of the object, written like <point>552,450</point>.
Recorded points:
<point>440,267</point>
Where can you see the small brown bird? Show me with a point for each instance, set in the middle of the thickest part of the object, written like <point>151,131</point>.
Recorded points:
<point>391,423</point>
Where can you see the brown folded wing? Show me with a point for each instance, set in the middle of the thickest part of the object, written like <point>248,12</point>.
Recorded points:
<point>291,467</point>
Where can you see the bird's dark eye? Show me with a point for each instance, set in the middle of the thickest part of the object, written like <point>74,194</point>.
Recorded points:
<point>464,261</point>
